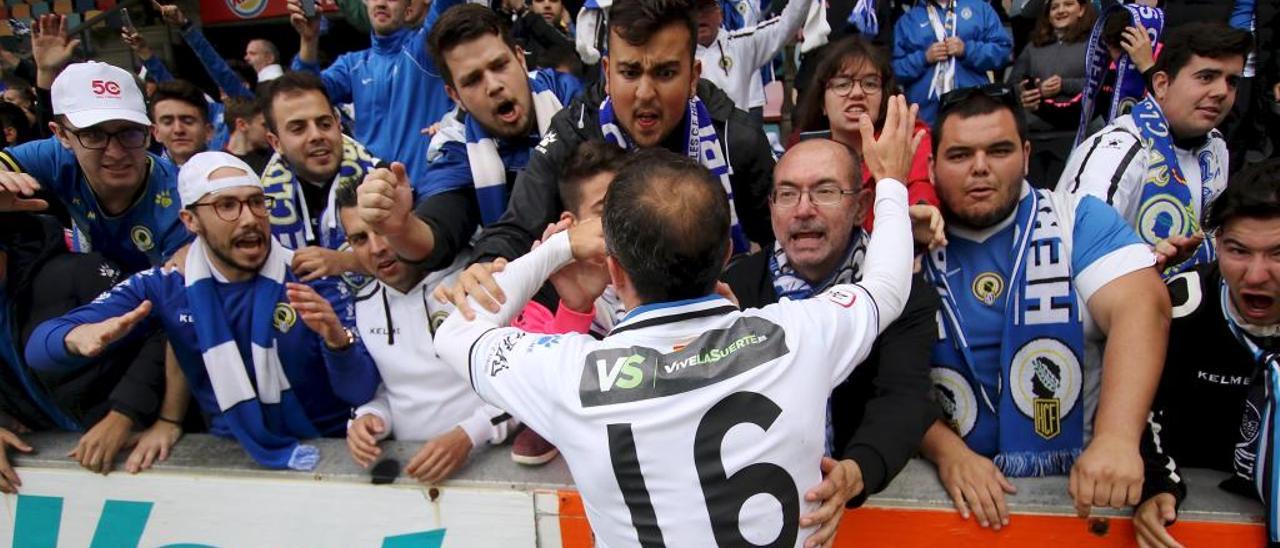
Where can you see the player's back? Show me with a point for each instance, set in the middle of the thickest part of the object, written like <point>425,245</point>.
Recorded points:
<point>692,424</point>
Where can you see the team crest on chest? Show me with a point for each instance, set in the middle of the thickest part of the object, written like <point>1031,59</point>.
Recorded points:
<point>1046,381</point>
<point>955,396</point>
<point>284,317</point>
<point>987,287</point>
<point>142,238</point>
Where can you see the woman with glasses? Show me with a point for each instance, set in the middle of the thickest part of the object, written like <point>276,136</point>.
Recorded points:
<point>854,78</point>
<point>1049,75</point>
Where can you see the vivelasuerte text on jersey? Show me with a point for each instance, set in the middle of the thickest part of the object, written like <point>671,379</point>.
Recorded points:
<point>647,417</point>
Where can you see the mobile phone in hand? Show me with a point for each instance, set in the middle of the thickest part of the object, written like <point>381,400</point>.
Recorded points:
<point>125,22</point>
<point>309,8</point>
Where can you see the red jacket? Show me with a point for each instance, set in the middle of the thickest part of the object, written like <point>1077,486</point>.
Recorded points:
<point>919,189</point>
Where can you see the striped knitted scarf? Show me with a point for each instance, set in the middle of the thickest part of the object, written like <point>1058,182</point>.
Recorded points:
<point>488,172</point>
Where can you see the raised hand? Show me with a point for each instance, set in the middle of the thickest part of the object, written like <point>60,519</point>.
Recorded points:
<point>90,339</point>
<point>317,313</point>
<point>1137,43</point>
<point>171,14</point>
<point>385,198</point>
<point>927,227</point>
<point>51,48</point>
<point>13,186</point>
<point>1177,249</point>
<point>136,43</point>
<point>891,155</point>
<point>308,27</point>
<point>315,262</point>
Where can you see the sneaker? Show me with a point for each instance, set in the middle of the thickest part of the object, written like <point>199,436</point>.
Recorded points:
<point>530,449</point>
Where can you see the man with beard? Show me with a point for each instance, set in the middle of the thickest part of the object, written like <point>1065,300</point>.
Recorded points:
<point>1162,164</point>
<point>1054,324</point>
<point>504,112</point>
<point>120,197</point>
<point>395,87</point>
<point>651,98</point>
<point>313,160</point>
<point>878,416</point>
<point>1212,405</point>
<point>235,279</point>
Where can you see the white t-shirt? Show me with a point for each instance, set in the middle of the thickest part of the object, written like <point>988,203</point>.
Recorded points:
<point>692,422</point>
<point>420,397</point>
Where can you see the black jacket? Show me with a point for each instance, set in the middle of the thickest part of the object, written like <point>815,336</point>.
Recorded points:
<point>535,200</point>
<point>46,281</point>
<point>880,414</point>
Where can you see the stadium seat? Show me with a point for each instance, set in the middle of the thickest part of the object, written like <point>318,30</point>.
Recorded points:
<point>83,6</point>
<point>5,29</point>
<point>73,19</point>
<point>105,5</point>
<point>39,8</point>
<point>63,7</point>
<point>21,11</point>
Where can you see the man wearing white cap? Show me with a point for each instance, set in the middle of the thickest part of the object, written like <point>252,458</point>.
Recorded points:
<point>120,196</point>
<point>235,279</point>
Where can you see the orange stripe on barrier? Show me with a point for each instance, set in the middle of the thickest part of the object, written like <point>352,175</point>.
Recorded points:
<point>921,528</point>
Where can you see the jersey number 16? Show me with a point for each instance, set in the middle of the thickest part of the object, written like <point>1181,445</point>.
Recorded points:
<point>724,494</point>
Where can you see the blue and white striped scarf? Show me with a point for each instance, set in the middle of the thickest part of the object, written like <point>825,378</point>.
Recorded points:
<point>1255,458</point>
<point>488,172</point>
<point>701,143</point>
<point>1165,205</point>
<point>290,218</point>
<point>863,17</point>
<point>1130,86</point>
<point>1035,424</point>
<point>268,421</point>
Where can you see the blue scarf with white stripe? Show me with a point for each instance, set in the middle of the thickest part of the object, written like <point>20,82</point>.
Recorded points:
<point>488,173</point>
<point>290,218</point>
<point>701,143</point>
<point>1255,458</point>
<point>262,413</point>
<point>1035,422</point>
<point>1165,205</point>
<point>1130,86</point>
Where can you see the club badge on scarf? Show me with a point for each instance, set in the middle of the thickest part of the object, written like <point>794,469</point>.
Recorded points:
<point>1165,206</point>
<point>702,144</point>
<point>1255,458</point>
<point>290,220</point>
<point>263,414</point>
<point>944,26</point>
<point>1130,86</point>
<point>488,171</point>
<point>1034,424</point>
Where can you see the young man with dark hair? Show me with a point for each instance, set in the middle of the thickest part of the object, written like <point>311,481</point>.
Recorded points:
<point>1054,324</point>
<point>180,120</point>
<point>420,399</point>
<point>646,416</point>
<point>504,111</point>
<point>248,139</point>
<point>231,309</point>
<point>1162,164</point>
<point>651,98</point>
<point>312,160</point>
<point>394,85</point>
<point>1211,408</point>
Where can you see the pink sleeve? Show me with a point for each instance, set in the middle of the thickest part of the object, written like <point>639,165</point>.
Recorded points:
<point>571,321</point>
<point>535,318</point>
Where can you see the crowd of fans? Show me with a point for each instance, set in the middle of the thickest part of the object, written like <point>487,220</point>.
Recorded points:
<point>1027,238</point>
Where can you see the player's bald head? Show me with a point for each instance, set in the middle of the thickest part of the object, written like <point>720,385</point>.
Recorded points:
<point>836,160</point>
<point>666,222</point>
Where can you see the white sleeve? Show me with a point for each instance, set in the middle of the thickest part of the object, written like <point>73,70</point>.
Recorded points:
<point>504,366</point>
<point>1109,166</point>
<point>768,37</point>
<point>585,31</point>
<point>848,317</point>
<point>379,406</point>
<point>488,424</point>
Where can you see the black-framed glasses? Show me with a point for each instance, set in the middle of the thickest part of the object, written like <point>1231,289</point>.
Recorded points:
<point>823,195</point>
<point>1003,93</point>
<point>97,139</point>
<point>229,209</point>
<point>842,86</point>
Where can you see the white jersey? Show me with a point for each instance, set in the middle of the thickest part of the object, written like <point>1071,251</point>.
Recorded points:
<point>1112,163</point>
<point>420,396</point>
<point>734,60</point>
<point>676,422</point>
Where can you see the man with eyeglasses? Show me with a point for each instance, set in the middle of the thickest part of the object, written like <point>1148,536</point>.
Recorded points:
<point>235,280</point>
<point>878,416</point>
<point>120,197</point>
<point>1054,324</point>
